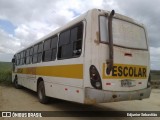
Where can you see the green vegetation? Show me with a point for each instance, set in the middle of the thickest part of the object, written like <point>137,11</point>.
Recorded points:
<point>155,74</point>
<point>5,73</point>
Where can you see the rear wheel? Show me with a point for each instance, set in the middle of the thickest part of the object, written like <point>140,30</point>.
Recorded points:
<point>41,93</point>
<point>16,85</point>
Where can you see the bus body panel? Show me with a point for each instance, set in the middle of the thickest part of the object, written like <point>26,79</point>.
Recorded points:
<point>124,57</point>
<point>139,58</point>
<point>64,91</point>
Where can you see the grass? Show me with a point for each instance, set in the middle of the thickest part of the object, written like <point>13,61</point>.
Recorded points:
<point>155,74</point>
<point>5,73</point>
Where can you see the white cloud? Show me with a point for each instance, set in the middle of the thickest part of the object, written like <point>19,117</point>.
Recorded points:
<point>9,43</point>
<point>34,19</point>
<point>25,34</point>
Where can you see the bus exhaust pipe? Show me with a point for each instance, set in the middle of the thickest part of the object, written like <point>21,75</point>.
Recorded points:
<point>110,61</point>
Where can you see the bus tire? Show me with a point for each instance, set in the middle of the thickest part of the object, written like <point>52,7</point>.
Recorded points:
<point>16,85</point>
<point>41,93</point>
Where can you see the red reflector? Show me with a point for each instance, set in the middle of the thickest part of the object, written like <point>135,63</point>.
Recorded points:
<point>108,83</point>
<point>77,91</point>
<point>139,82</point>
<point>128,54</point>
<point>66,89</point>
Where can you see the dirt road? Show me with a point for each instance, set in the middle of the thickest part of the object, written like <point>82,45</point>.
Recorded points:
<point>12,99</point>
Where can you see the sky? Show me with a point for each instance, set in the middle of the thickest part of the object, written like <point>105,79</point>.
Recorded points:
<point>25,21</point>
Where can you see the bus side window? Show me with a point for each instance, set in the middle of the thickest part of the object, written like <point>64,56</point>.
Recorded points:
<point>64,46</point>
<point>31,55</point>
<point>18,62</point>
<point>54,47</point>
<point>70,42</point>
<point>24,57</point>
<point>50,49</point>
<point>76,38</point>
<point>21,58</point>
<point>35,50</point>
<point>27,56</point>
<point>40,50</point>
<point>47,51</point>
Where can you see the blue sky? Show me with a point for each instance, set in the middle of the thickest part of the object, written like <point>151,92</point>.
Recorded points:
<point>7,26</point>
<point>22,21</point>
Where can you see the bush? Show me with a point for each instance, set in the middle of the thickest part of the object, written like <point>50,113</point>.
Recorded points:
<point>5,77</point>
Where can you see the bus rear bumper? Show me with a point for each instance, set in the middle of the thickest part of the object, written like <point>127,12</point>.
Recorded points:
<point>93,96</point>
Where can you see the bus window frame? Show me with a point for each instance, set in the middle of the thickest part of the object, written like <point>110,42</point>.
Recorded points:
<point>70,28</point>
<point>51,48</point>
<point>107,43</point>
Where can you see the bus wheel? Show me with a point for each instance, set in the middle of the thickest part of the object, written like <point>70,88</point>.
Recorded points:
<point>41,93</point>
<point>16,85</point>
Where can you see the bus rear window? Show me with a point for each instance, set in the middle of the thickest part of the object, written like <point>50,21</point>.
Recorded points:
<point>125,34</point>
<point>128,34</point>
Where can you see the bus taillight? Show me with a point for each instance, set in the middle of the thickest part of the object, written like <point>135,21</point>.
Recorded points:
<point>95,78</point>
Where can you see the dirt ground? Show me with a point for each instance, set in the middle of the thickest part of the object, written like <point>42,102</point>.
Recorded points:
<point>12,99</point>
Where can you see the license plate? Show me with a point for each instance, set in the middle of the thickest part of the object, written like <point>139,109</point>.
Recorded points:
<point>128,83</point>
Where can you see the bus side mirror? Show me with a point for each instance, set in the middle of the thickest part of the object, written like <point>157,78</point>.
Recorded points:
<point>13,60</point>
